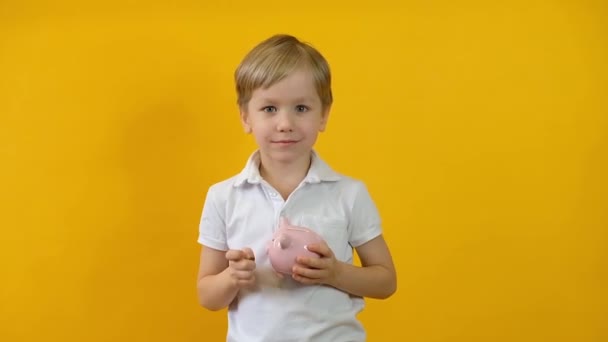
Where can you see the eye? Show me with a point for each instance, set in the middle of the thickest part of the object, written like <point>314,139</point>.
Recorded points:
<point>269,109</point>
<point>301,109</point>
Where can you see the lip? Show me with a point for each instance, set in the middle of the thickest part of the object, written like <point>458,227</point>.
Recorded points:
<point>284,142</point>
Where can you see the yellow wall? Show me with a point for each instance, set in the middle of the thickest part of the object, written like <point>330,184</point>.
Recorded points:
<point>480,129</point>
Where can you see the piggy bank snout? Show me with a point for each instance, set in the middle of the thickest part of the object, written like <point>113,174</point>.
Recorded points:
<point>283,241</point>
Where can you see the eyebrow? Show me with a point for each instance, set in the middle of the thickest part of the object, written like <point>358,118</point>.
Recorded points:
<point>297,100</point>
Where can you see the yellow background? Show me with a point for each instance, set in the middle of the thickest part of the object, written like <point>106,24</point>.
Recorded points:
<point>480,128</point>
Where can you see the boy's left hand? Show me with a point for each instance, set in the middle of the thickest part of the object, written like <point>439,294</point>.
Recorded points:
<point>322,270</point>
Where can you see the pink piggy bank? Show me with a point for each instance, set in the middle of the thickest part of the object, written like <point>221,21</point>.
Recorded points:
<point>288,243</point>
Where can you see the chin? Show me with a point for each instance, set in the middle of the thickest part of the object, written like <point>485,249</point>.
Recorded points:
<point>287,155</point>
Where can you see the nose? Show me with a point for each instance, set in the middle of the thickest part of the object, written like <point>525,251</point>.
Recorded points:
<point>284,122</point>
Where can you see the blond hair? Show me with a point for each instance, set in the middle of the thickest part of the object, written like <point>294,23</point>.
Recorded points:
<point>275,58</point>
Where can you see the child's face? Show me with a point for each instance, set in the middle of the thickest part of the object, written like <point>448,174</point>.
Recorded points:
<point>286,118</point>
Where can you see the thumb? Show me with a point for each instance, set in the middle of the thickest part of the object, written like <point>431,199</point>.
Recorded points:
<point>320,248</point>
<point>249,253</point>
<point>235,255</point>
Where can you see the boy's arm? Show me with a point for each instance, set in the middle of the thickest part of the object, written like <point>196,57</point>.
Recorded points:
<point>376,278</point>
<point>214,287</point>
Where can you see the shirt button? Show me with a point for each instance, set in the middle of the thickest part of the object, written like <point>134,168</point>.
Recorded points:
<point>273,194</point>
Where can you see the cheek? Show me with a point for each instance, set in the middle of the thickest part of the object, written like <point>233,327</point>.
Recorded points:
<point>314,127</point>
<point>261,132</point>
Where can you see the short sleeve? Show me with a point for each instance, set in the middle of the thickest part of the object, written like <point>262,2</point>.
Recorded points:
<point>212,227</point>
<point>364,222</point>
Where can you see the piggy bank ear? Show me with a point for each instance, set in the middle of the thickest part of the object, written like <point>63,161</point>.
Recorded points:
<point>283,221</point>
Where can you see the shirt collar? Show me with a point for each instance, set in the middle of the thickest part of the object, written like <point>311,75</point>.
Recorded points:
<point>318,172</point>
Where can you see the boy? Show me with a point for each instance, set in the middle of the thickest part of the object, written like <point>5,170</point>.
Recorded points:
<point>284,96</point>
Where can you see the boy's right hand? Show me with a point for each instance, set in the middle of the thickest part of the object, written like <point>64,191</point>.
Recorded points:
<point>241,264</point>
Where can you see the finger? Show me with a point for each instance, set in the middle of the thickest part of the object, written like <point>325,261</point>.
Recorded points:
<point>243,265</point>
<point>235,255</point>
<point>304,280</point>
<point>243,275</point>
<point>249,253</point>
<point>320,248</point>
<point>317,263</point>
<point>246,283</point>
<point>305,272</point>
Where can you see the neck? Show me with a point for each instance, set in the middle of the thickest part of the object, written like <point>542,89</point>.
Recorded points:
<point>284,177</point>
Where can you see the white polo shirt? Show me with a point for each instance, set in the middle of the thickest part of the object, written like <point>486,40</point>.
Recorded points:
<point>244,210</point>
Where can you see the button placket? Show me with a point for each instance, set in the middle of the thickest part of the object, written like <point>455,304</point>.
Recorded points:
<point>276,200</point>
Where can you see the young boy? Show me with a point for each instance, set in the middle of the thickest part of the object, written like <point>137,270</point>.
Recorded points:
<point>284,95</point>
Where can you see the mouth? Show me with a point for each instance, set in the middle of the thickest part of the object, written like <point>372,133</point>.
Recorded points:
<point>284,142</point>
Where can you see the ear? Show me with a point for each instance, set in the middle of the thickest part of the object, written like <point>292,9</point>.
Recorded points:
<point>245,120</point>
<point>324,118</point>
